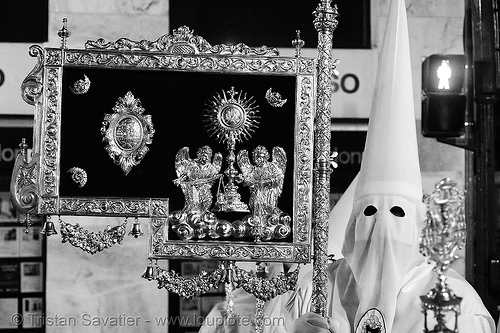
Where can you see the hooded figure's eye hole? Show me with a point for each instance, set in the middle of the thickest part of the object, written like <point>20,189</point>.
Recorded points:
<point>397,211</point>
<point>370,211</point>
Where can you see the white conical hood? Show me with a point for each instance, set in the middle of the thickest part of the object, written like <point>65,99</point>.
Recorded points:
<point>390,161</point>
<point>381,243</point>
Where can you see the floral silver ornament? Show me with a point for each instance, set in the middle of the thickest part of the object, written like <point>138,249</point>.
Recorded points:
<point>78,175</point>
<point>81,86</point>
<point>274,98</point>
<point>92,242</point>
<point>190,287</point>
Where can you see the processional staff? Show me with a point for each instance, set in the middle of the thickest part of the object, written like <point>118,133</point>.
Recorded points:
<point>325,23</point>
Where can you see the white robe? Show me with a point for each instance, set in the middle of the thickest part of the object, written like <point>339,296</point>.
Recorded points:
<point>408,319</point>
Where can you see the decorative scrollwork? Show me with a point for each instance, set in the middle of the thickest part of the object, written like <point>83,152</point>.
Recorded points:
<point>265,288</point>
<point>207,63</point>
<point>188,288</point>
<point>92,242</point>
<point>48,206</point>
<point>114,207</point>
<point>265,252</point>
<point>51,131</point>
<point>54,57</point>
<point>303,185</point>
<point>157,234</point>
<point>182,41</point>
<point>32,87</point>
<point>23,185</point>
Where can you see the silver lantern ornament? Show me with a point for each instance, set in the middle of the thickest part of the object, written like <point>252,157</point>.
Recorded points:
<point>442,236</point>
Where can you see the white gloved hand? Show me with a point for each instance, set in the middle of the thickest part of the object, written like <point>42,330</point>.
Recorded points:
<point>314,323</point>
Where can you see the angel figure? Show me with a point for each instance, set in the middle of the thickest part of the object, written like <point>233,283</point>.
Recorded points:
<point>196,177</point>
<point>265,181</point>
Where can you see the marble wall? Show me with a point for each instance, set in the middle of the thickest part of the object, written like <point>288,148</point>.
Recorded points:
<point>108,284</point>
<point>103,292</point>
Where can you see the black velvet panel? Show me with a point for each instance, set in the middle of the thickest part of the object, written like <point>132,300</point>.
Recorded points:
<point>272,23</point>
<point>176,101</point>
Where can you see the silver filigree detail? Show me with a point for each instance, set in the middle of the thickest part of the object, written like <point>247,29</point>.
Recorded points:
<point>51,127</point>
<point>325,23</point>
<point>54,57</point>
<point>190,287</point>
<point>231,119</point>
<point>303,183</point>
<point>127,132</point>
<point>92,242</point>
<point>444,232</point>
<point>32,86</point>
<point>260,306</point>
<point>228,288</point>
<point>23,184</point>
<point>80,86</point>
<point>258,61</point>
<point>372,321</point>
<point>266,288</point>
<point>300,251</point>
<point>231,115</point>
<point>274,98</point>
<point>186,62</point>
<point>239,252</point>
<point>48,206</point>
<point>114,207</point>
<point>78,175</point>
<point>262,287</point>
<point>182,41</point>
<point>443,235</point>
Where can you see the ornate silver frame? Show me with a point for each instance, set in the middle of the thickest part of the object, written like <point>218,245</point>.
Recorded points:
<point>181,52</point>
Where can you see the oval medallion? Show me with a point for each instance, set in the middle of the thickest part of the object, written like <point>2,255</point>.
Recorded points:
<point>372,321</point>
<point>128,133</point>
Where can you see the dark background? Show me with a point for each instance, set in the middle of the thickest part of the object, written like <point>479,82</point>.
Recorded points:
<point>24,21</point>
<point>271,23</point>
